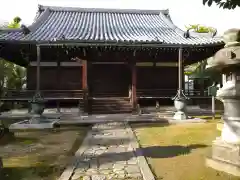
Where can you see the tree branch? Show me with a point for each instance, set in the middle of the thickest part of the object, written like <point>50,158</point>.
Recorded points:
<point>224,4</point>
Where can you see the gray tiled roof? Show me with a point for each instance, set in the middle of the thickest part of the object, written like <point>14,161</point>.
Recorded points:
<point>105,25</point>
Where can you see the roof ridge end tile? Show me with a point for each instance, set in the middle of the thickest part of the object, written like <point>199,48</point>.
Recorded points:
<point>103,10</point>
<point>39,20</point>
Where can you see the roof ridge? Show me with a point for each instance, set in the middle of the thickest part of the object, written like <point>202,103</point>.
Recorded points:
<point>79,25</point>
<point>104,10</point>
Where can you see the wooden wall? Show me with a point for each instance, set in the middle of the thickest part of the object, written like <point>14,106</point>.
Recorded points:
<point>69,78</point>
<point>157,77</point>
<point>109,78</point>
<point>104,78</point>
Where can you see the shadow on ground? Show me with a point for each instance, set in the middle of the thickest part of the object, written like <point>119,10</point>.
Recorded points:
<point>151,152</point>
<point>169,151</point>
<point>39,155</point>
<point>162,123</point>
<point>10,138</point>
<point>21,173</point>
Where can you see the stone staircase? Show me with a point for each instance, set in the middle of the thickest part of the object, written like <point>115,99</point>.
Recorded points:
<point>113,105</point>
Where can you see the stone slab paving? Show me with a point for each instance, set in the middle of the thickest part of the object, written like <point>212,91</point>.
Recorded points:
<point>74,111</point>
<point>108,152</point>
<point>70,116</point>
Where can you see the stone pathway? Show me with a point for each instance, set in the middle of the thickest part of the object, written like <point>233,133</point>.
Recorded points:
<point>106,153</point>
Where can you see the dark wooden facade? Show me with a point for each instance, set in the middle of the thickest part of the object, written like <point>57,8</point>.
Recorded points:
<point>66,78</point>
<point>108,74</point>
<point>113,63</point>
<point>126,76</point>
<point>103,78</point>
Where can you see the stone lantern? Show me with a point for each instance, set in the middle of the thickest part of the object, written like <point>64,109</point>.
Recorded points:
<point>226,148</point>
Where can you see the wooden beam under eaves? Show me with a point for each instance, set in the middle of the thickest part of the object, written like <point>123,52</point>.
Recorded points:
<point>157,64</point>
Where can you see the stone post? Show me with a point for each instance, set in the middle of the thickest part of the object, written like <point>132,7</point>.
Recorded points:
<point>226,148</point>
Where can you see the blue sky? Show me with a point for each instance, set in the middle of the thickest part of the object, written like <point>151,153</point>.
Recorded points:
<point>183,12</point>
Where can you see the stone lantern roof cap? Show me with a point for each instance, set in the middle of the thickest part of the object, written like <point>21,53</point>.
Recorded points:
<point>228,56</point>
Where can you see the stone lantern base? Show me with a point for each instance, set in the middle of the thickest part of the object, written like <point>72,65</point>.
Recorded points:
<point>180,105</point>
<point>180,115</point>
<point>225,157</point>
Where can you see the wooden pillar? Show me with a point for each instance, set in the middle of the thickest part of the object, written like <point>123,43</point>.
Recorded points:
<point>85,86</point>
<point>38,68</point>
<point>134,84</point>
<point>58,79</point>
<point>180,92</point>
<point>59,85</point>
<point>84,75</point>
<point>180,70</point>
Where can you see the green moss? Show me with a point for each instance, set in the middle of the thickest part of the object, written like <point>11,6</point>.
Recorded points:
<point>178,152</point>
<point>40,155</point>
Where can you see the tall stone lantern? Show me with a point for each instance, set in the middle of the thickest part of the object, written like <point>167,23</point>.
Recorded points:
<point>226,148</point>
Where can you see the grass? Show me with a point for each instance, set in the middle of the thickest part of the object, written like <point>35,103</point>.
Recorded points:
<point>178,152</point>
<point>39,155</point>
<point>217,117</point>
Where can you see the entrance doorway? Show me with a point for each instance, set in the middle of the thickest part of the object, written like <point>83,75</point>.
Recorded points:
<point>112,80</point>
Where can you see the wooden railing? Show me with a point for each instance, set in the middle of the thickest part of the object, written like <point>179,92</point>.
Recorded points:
<point>168,93</point>
<point>155,93</point>
<point>23,95</point>
<point>196,93</point>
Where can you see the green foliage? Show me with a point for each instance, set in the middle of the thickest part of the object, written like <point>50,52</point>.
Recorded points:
<point>225,4</point>
<point>190,69</point>
<point>15,23</point>
<point>12,76</point>
<point>198,71</point>
<point>200,29</point>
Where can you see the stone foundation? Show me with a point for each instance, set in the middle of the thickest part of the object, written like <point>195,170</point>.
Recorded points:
<point>33,125</point>
<point>225,157</point>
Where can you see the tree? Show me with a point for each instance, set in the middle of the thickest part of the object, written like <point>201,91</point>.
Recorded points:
<point>12,76</point>
<point>225,4</point>
<point>200,28</point>
<point>198,70</point>
<point>15,23</point>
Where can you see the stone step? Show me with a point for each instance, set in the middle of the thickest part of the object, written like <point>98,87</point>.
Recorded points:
<point>110,106</point>
<point>110,103</point>
<point>100,101</point>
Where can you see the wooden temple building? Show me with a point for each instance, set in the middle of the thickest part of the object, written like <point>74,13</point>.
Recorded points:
<point>108,60</point>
